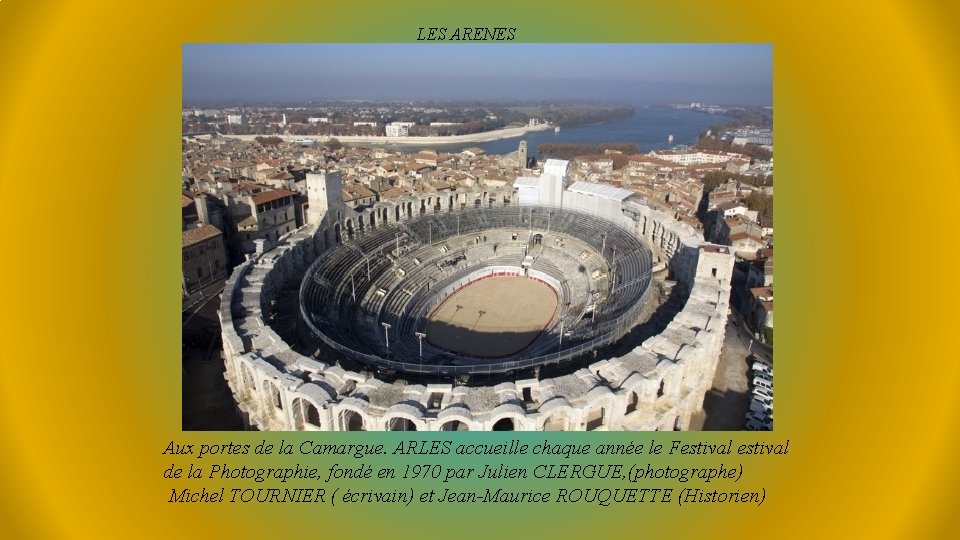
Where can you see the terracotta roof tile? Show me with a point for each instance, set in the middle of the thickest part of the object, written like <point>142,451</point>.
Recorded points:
<point>272,195</point>
<point>195,236</point>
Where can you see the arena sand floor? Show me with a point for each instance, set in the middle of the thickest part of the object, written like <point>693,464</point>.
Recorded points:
<point>493,317</point>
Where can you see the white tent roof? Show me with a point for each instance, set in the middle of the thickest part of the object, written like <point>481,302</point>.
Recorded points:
<point>526,181</point>
<point>600,190</point>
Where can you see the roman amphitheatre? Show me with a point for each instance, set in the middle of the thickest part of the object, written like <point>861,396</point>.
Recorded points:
<point>547,305</point>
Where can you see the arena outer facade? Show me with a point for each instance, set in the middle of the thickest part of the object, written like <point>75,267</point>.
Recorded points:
<point>656,386</point>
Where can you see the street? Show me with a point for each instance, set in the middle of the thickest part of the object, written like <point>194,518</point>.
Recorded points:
<point>206,399</point>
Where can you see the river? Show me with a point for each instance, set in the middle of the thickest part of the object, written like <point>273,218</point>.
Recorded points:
<point>649,128</point>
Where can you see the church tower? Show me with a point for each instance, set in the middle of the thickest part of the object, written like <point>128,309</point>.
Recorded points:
<point>523,155</point>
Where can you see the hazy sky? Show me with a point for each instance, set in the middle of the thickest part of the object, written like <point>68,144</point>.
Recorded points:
<point>629,73</point>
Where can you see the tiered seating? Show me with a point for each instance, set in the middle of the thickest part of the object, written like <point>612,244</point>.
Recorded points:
<point>344,310</point>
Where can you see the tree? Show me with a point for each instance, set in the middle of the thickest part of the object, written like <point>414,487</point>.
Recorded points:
<point>575,150</point>
<point>760,202</point>
<point>578,115</point>
<point>268,141</point>
<point>334,144</point>
<point>713,179</point>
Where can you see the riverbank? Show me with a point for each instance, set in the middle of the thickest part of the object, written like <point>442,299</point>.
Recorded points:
<point>503,133</point>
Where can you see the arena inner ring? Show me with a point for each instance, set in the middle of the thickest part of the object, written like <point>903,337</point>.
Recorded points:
<point>370,297</point>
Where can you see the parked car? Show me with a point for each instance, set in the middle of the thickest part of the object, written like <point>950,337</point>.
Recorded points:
<point>762,367</point>
<point>766,393</point>
<point>763,375</point>
<point>762,383</point>
<point>754,425</point>
<point>759,407</point>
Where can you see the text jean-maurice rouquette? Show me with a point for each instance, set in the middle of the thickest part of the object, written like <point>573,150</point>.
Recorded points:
<point>599,497</point>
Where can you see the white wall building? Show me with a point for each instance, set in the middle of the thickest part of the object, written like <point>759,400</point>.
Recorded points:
<point>398,129</point>
<point>694,158</point>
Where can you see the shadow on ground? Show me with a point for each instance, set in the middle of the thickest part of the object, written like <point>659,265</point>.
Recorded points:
<point>722,411</point>
<point>206,399</point>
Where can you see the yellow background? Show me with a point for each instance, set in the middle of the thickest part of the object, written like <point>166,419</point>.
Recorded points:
<point>867,186</point>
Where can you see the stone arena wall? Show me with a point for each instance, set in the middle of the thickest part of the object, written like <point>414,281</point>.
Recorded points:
<point>656,386</point>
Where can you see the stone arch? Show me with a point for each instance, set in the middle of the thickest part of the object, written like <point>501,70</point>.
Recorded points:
<point>409,210</point>
<point>313,415</point>
<point>247,381</point>
<point>327,240</point>
<point>400,423</point>
<point>506,423</point>
<point>337,233</point>
<point>351,420</point>
<point>306,415</point>
<point>450,204</point>
<point>349,222</point>
<point>557,420</point>
<point>454,425</point>
<point>373,221</point>
<point>423,207</point>
<point>272,398</point>
<point>396,211</point>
